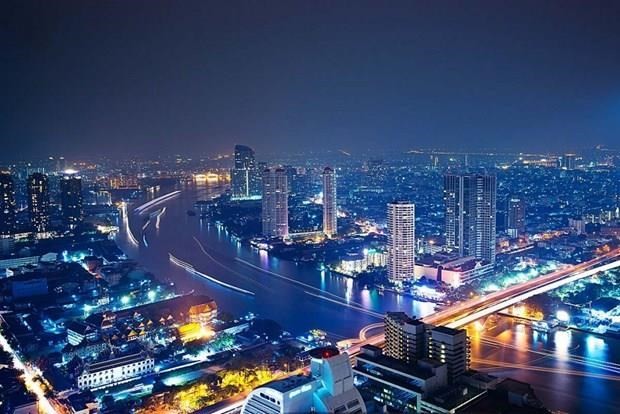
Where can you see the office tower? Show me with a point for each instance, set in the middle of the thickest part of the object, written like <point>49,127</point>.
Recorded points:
<point>275,203</point>
<point>516,216</point>
<point>405,338</point>
<point>39,202</point>
<point>330,207</point>
<point>71,199</point>
<point>245,176</point>
<point>470,202</point>
<point>7,204</point>
<point>401,241</point>
<point>568,161</point>
<point>450,346</point>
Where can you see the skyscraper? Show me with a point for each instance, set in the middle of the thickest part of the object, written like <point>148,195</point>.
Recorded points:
<point>245,176</point>
<point>470,202</point>
<point>516,216</point>
<point>405,337</point>
<point>39,202</point>
<point>401,241</point>
<point>275,203</point>
<point>7,204</point>
<point>330,207</point>
<point>71,199</point>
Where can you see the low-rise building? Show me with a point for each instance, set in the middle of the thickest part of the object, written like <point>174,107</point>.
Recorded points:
<point>451,270</point>
<point>115,371</point>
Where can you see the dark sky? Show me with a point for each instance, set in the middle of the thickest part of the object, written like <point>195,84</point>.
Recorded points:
<point>128,77</point>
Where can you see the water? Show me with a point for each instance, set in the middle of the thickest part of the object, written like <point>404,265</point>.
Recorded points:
<point>311,298</point>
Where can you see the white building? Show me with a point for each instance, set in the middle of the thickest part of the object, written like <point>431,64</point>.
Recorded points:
<point>275,203</point>
<point>329,389</point>
<point>401,241</point>
<point>115,371</point>
<point>330,207</point>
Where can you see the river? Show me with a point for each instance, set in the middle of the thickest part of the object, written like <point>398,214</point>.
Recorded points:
<point>302,297</point>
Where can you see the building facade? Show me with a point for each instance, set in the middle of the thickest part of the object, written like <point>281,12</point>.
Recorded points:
<point>401,241</point>
<point>115,371</point>
<point>470,202</point>
<point>71,200</point>
<point>515,223</point>
<point>39,202</point>
<point>245,175</point>
<point>328,389</point>
<point>275,203</point>
<point>7,204</point>
<point>451,347</point>
<point>330,206</point>
<point>405,337</point>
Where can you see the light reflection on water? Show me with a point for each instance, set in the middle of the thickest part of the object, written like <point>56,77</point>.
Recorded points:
<point>297,311</point>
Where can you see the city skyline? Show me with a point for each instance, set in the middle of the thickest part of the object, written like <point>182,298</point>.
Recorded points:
<point>290,207</point>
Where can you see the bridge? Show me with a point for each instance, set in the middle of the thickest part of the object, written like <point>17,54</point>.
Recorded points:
<point>464,313</point>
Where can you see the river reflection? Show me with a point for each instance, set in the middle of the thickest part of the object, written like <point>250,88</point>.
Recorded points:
<point>302,297</point>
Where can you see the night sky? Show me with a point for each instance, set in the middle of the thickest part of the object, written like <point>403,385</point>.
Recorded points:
<point>152,77</point>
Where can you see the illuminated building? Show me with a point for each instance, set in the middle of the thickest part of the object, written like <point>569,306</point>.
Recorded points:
<point>470,202</point>
<point>275,203</point>
<point>328,389</point>
<point>401,241</point>
<point>7,204</point>
<point>71,199</point>
<point>39,202</point>
<point>245,176</point>
<point>124,182</point>
<point>451,347</point>
<point>516,217</point>
<point>203,313</point>
<point>397,384</point>
<point>578,225</point>
<point>451,270</point>
<point>115,370</point>
<point>103,198</point>
<point>330,207</point>
<point>404,337</point>
<point>567,161</point>
<point>80,331</point>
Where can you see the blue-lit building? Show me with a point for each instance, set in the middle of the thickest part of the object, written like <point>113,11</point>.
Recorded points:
<point>329,389</point>
<point>7,204</point>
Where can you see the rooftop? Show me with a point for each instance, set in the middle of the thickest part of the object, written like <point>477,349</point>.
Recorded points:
<point>287,384</point>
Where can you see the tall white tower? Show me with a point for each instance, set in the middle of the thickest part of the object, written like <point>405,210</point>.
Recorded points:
<point>275,203</point>
<point>401,241</point>
<point>330,207</point>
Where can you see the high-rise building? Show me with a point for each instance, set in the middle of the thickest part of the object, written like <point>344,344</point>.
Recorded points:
<point>470,202</point>
<point>7,204</point>
<point>401,241</point>
<point>245,175</point>
<point>330,207</point>
<point>39,202</point>
<point>516,216</point>
<point>275,203</point>
<point>71,199</point>
<point>568,161</point>
<point>450,346</point>
<point>405,337</point>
